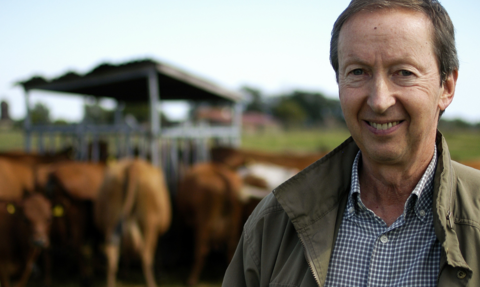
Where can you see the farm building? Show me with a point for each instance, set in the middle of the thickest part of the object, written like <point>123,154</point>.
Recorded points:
<point>144,81</point>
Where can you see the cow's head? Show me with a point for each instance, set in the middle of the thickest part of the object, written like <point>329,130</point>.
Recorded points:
<point>38,213</point>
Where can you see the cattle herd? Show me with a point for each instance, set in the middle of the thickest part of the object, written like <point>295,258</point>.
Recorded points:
<point>59,214</point>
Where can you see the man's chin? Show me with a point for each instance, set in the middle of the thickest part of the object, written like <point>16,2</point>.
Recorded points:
<point>383,155</point>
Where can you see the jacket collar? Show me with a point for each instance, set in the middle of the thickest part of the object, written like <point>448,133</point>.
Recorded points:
<point>315,199</point>
<point>314,191</point>
<point>444,196</point>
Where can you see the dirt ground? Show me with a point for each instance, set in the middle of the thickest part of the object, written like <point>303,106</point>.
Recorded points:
<point>132,276</point>
<point>132,279</point>
<point>172,267</point>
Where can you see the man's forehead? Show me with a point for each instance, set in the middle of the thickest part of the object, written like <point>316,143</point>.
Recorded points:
<point>363,22</point>
<point>368,15</point>
<point>396,36</point>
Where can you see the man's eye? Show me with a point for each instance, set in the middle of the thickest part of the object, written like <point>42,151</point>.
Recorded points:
<point>405,73</point>
<point>357,72</point>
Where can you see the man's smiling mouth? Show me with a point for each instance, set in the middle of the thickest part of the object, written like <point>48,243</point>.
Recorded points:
<point>383,126</point>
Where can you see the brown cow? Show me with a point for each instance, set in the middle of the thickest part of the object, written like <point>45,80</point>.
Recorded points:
<point>208,200</point>
<point>298,161</point>
<point>32,158</point>
<point>214,199</point>
<point>16,179</point>
<point>72,188</point>
<point>79,180</point>
<point>472,163</point>
<point>24,225</point>
<point>237,157</point>
<point>133,205</point>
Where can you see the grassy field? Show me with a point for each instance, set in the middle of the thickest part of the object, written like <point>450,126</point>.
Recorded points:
<point>11,140</point>
<point>463,145</point>
<point>314,140</point>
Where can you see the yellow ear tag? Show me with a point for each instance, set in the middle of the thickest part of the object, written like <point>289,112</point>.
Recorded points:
<point>57,210</point>
<point>10,208</point>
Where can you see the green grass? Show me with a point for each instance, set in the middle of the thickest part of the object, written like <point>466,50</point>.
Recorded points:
<point>313,140</point>
<point>463,145</point>
<point>11,140</point>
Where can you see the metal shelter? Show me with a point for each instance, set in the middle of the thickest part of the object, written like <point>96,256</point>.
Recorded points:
<point>139,81</point>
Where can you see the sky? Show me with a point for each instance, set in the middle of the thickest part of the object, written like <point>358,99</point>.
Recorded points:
<point>275,46</point>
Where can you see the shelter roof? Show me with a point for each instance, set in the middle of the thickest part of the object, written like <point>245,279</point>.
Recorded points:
<point>128,82</point>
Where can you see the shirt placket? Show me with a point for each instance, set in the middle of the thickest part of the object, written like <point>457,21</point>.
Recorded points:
<point>380,267</point>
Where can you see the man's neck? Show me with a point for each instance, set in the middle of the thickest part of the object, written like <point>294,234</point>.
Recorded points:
<point>386,188</point>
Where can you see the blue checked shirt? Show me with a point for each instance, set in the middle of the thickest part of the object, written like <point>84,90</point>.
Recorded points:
<point>367,252</point>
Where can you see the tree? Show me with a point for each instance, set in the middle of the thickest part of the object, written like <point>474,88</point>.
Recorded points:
<point>289,112</point>
<point>61,122</point>
<point>141,111</point>
<point>256,102</point>
<point>95,114</point>
<point>318,107</point>
<point>40,114</point>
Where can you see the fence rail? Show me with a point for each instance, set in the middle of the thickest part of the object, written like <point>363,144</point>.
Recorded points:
<point>179,146</point>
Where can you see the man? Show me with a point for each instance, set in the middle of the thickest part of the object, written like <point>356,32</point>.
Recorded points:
<point>388,207</point>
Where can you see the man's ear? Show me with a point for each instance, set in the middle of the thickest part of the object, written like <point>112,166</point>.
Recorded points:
<point>448,90</point>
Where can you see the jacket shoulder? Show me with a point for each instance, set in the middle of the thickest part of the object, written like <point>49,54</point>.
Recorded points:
<point>467,194</point>
<point>467,175</point>
<point>268,206</point>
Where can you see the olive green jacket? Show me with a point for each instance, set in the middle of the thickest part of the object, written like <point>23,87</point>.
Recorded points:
<point>289,238</point>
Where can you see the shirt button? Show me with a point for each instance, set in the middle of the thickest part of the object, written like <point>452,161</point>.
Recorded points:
<point>351,210</point>
<point>461,274</point>
<point>384,239</point>
<point>422,213</point>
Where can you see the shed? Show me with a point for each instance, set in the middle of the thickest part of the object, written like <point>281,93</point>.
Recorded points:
<point>138,81</point>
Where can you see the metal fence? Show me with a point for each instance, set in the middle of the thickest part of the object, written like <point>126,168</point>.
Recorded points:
<point>179,146</point>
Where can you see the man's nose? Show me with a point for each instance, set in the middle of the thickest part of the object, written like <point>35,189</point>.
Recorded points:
<point>381,96</point>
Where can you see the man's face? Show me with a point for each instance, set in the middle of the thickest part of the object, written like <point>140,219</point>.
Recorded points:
<point>389,85</point>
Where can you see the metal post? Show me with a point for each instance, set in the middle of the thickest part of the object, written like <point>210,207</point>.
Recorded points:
<point>95,149</point>
<point>118,113</point>
<point>128,143</point>
<point>154,117</point>
<point>174,165</point>
<point>237,123</point>
<point>82,134</point>
<point>52,143</point>
<point>27,124</point>
<point>142,141</point>
<point>40,146</point>
<point>118,124</point>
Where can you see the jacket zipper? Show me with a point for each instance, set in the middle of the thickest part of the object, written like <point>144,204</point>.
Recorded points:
<point>307,255</point>
<point>309,262</point>
<point>449,213</point>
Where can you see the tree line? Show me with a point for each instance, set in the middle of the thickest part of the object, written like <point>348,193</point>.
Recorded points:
<point>314,109</point>
<point>295,109</point>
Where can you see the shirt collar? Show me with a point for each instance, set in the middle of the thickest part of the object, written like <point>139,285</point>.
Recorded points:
<point>424,187</point>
